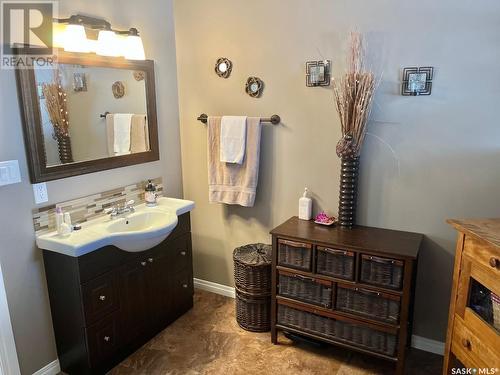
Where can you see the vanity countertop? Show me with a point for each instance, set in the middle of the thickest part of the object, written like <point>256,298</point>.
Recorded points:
<point>134,232</point>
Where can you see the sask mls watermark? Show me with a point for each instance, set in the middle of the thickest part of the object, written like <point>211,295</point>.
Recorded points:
<point>26,34</point>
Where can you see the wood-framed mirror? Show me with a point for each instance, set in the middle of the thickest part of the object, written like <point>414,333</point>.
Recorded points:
<point>87,113</point>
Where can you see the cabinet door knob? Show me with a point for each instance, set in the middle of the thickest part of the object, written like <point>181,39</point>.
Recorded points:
<point>466,343</point>
<point>184,285</point>
<point>494,262</point>
<point>102,298</point>
<point>143,263</point>
<point>183,253</point>
<point>150,260</point>
<point>107,338</point>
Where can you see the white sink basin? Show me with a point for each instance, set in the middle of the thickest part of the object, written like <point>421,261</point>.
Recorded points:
<point>138,231</point>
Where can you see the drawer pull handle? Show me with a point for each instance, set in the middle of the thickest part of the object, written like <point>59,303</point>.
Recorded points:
<point>300,277</point>
<point>494,262</point>
<point>143,264</point>
<point>183,253</point>
<point>150,260</point>
<point>295,244</point>
<point>102,298</point>
<point>184,286</point>
<point>366,291</point>
<point>466,343</point>
<point>107,338</point>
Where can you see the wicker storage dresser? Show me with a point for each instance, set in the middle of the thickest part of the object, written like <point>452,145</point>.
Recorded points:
<point>348,287</point>
<point>252,279</point>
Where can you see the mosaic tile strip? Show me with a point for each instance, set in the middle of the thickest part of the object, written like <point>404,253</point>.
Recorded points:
<point>92,206</point>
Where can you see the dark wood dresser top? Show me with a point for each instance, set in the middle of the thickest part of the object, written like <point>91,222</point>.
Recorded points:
<point>388,241</point>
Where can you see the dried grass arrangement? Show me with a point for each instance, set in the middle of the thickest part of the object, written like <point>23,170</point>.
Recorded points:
<point>353,93</point>
<point>56,104</point>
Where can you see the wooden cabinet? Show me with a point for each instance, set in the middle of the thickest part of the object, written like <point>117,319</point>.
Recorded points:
<point>349,287</point>
<point>473,337</point>
<point>107,303</point>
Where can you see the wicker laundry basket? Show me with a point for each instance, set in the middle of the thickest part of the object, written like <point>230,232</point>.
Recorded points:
<point>252,279</point>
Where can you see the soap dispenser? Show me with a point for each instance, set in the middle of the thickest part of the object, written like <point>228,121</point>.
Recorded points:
<point>150,194</point>
<point>305,206</point>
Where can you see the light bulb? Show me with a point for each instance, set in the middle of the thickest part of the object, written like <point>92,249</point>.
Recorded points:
<point>108,44</point>
<point>75,39</point>
<point>59,33</point>
<point>133,48</point>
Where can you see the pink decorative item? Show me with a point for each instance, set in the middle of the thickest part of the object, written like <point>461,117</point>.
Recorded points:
<point>323,219</point>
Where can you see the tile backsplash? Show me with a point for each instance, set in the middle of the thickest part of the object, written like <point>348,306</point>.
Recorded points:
<point>92,206</point>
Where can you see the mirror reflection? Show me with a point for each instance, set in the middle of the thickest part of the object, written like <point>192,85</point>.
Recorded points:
<point>91,112</point>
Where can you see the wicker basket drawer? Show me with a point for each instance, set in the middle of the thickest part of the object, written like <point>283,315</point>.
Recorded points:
<point>295,255</point>
<point>356,334</point>
<point>364,302</point>
<point>305,289</point>
<point>381,271</point>
<point>336,263</point>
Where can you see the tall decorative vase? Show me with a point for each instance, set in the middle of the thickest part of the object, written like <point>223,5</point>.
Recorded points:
<point>349,169</point>
<point>65,152</point>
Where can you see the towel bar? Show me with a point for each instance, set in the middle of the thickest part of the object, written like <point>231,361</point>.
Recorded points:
<point>274,119</point>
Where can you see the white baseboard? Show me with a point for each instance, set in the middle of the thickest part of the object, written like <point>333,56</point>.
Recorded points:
<point>428,345</point>
<point>214,288</point>
<point>417,342</point>
<point>52,368</point>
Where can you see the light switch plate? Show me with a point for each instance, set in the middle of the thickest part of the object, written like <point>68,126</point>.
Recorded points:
<point>9,172</point>
<point>40,192</point>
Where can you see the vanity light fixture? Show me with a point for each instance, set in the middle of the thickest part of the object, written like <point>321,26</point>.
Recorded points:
<point>133,47</point>
<point>75,39</point>
<point>109,42</point>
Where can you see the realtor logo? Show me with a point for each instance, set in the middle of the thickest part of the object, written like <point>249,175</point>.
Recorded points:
<point>26,33</point>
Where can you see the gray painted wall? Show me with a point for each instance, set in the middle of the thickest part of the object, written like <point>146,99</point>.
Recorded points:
<point>446,146</point>
<point>21,261</point>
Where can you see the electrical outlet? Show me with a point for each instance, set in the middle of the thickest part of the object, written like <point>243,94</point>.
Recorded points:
<point>40,192</point>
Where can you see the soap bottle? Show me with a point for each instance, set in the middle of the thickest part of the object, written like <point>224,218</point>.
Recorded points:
<point>59,219</point>
<point>150,194</point>
<point>305,206</point>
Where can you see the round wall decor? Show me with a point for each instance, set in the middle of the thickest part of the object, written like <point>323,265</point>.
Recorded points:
<point>254,87</point>
<point>139,75</point>
<point>118,89</point>
<point>223,67</point>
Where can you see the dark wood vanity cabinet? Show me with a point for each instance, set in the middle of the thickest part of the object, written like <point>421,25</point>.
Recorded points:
<point>109,302</point>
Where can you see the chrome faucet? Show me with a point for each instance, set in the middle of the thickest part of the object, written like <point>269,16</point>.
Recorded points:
<point>117,211</point>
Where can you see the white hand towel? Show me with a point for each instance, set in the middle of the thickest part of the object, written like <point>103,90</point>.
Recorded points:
<point>233,139</point>
<point>121,127</point>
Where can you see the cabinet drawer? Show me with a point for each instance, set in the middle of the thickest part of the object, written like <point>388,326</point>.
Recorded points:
<point>306,289</point>
<point>181,293</point>
<point>483,254</point>
<point>380,271</point>
<point>336,263</point>
<point>374,305</point>
<point>295,255</point>
<point>103,339</point>
<point>338,330</point>
<point>471,350</point>
<point>180,253</point>
<point>100,297</point>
